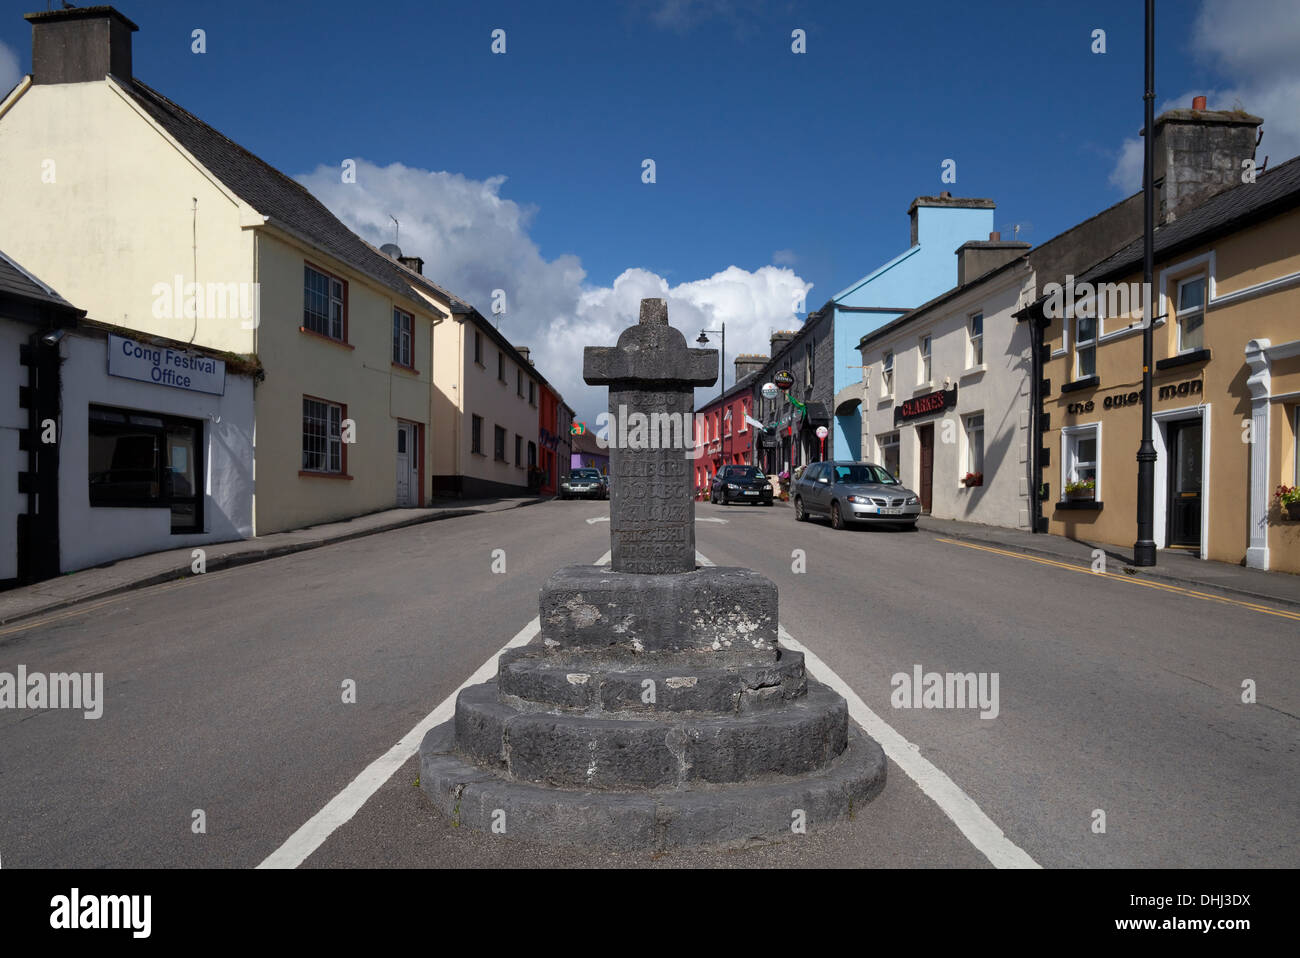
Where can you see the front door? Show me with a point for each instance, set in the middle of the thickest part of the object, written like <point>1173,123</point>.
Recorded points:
<point>1184,478</point>
<point>926,436</point>
<point>407,463</point>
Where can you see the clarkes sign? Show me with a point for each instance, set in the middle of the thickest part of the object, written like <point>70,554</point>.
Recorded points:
<point>926,405</point>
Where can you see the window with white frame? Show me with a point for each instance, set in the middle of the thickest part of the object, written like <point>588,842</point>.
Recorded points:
<point>927,367</point>
<point>322,444</point>
<point>1191,314</point>
<point>1085,347</point>
<point>889,453</point>
<point>975,443</point>
<point>323,303</point>
<point>887,372</point>
<point>403,331</point>
<point>1080,464</point>
<point>976,334</point>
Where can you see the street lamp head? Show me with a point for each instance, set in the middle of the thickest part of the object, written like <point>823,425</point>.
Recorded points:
<point>703,338</point>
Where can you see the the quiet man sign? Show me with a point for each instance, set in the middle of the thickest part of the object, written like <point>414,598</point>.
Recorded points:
<point>165,367</point>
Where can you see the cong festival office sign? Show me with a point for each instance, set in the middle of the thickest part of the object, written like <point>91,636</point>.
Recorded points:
<point>163,366</point>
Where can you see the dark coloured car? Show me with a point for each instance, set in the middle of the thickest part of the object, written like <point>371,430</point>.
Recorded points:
<point>583,484</point>
<point>741,484</point>
<point>847,492</point>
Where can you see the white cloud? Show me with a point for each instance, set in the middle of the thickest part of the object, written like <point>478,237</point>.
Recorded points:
<point>1252,44</point>
<point>784,257</point>
<point>473,240</point>
<point>10,73</point>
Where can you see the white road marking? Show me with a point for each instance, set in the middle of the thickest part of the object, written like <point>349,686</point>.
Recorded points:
<point>592,522</point>
<point>348,802</point>
<point>980,830</point>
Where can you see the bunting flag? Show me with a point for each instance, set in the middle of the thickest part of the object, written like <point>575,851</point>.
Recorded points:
<point>797,404</point>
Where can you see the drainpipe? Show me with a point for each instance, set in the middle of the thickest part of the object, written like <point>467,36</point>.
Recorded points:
<point>1035,410</point>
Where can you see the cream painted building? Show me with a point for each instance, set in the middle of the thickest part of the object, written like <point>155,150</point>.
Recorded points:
<point>152,221</point>
<point>947,393</point>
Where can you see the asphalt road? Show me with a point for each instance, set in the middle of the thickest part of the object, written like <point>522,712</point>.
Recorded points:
<point>224,693</point>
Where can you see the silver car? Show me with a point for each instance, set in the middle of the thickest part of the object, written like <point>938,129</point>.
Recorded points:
<point>848,492</point>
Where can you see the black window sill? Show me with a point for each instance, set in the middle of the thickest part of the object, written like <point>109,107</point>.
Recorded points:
<point>1186,359</point>
<point>1090,382</point>
<point>1072,504</point>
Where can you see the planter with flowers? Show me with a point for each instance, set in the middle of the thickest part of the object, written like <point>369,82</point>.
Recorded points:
<point>784,478</point>
<point>972,479</point>
<point>1288,500</point>
<point>1081,489</point>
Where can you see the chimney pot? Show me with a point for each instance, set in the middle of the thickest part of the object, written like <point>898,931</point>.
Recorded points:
<point>1198,103</point>
<point>995,237</point>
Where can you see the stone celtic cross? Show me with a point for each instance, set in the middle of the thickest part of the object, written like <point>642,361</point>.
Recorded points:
<point>651,375</point>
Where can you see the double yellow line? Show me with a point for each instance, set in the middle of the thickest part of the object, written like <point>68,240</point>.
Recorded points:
<point>1133,580</point>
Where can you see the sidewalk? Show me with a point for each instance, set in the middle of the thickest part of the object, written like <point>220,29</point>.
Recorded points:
<point>1177,567</point>
<point>140,571</point>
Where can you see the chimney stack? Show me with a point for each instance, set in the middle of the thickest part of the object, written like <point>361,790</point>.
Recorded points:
<point>80,45</point>
<point>944,200</point>
<point>779,339</point>
<point>747,363</point>
<point>977,257</point>
<point>523,351</point>
<point>1199,153</point>
<point>413,263</point>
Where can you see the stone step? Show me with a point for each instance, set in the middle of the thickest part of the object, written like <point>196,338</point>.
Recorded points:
<point>535,678</point>
<point>716,608</point>
<point>486,800</point>
<point>668,750</point>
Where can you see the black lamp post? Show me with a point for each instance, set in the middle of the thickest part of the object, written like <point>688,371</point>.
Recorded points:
<point>722,380</point>
<point>1144,549</point>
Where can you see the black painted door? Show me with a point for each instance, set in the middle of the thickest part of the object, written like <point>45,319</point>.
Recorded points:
<point>1185,483</point>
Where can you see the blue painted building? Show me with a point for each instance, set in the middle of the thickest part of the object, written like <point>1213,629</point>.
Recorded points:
<point>940,224</point>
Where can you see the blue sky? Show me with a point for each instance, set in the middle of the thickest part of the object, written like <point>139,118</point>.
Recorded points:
<point>774,170</point>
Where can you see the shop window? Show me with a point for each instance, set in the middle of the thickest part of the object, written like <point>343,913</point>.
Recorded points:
<point>887,372</point>
<point>1085,347</point>
<point>142,459</point>
<point>1080,464</point>
<point>889,453</point>
<point>322,445</point>
<point>927,367</point>
<point>403,332</point>
<point>976,339</point>
<point>1191,314</point>
<point>975,443</point>
<point>324,303</point>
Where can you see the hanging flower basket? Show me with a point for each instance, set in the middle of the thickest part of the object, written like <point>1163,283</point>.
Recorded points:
<point>972,479</point>
<point>1288,500</point>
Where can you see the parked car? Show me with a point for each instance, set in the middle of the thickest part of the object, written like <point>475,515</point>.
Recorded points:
<point>847,492</point>
<point>741,484</point>
<point>583,484</point>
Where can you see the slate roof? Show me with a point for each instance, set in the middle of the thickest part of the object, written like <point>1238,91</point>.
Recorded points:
<point>16,281</point>
<point>1274,191</point>
<point>274,194</point>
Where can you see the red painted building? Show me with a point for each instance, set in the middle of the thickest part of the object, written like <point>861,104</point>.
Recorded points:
<point>552,439</point>
<point>727,436</point>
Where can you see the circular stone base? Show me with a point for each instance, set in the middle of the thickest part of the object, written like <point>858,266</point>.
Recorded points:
<point>485,800</point>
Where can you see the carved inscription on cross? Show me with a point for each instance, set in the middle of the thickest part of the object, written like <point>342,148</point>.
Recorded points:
<point>650,373</point>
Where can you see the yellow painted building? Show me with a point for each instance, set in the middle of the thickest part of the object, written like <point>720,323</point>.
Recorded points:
<point>1225,387</point>
<point>153,221</point>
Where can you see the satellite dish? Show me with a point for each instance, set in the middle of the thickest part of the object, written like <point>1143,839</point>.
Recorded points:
<point>391,250</point>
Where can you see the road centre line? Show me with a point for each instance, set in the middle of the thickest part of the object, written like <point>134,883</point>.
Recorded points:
<point>1133,580</point>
